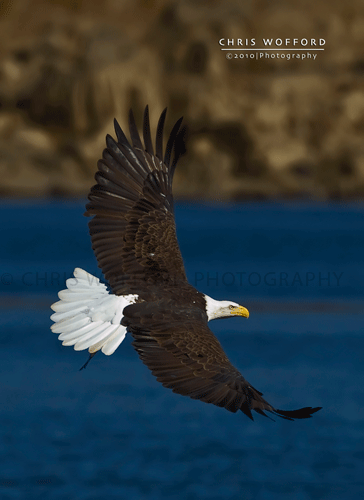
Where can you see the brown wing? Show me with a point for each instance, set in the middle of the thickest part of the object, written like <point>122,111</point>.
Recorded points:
<point>133,230</point>
<point>185,356</point>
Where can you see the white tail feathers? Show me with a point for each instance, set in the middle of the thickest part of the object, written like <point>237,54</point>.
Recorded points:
<point>88,316</point>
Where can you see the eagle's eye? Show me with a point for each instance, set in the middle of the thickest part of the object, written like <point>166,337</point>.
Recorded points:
<point>231,308</point>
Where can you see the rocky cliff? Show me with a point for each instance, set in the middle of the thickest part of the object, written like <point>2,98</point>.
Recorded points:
<point>258,126</point>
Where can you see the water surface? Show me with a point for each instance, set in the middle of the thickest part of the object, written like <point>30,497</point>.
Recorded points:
<point>112,431</point>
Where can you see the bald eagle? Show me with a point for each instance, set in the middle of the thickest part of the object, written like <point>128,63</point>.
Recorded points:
<point>134,239</point>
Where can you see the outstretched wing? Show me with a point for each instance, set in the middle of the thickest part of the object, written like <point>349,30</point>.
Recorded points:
<point>185,356</point>
<point>133,230</point>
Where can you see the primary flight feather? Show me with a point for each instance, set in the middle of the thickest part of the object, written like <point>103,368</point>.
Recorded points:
<point>134,239</point>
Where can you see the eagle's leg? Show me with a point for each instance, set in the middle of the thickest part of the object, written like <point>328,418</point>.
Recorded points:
<point>92,354</point>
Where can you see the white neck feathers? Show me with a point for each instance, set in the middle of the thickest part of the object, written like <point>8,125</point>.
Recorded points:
<point>213,308</point>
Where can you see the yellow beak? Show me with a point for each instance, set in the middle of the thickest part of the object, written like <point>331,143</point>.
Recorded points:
<point>240,311</point>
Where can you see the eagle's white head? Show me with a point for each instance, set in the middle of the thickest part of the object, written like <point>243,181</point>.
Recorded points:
<point>216,309</point>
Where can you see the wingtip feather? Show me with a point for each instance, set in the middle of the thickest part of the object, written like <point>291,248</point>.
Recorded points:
<point>146,132</point>
<point>301,413</point>
<point>159,135</point>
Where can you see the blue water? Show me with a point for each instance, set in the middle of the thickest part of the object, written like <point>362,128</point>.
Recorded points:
<point>113,432</point>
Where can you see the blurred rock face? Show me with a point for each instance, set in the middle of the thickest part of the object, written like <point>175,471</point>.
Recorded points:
<point>256,128</point>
